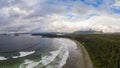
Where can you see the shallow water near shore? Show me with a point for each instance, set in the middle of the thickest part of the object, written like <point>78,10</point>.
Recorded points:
<point>26,51</point>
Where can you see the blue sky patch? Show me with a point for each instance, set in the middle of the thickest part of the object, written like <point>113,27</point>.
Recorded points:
<point>115,10</point>
<point>94,3</point>
<point>70,16</point>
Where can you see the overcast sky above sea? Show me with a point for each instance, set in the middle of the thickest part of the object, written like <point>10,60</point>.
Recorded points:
<point>59,15</point>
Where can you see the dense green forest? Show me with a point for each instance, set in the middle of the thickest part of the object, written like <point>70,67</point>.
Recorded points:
<point>104,49</point>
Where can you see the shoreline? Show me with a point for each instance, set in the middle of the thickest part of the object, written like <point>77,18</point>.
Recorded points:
<point>88,62</point>
<point>85,61</point>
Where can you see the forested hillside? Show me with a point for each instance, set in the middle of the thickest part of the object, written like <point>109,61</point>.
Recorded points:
<point>104,49</point>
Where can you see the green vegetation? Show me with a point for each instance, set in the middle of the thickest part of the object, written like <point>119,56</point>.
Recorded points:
<point>104,49</point>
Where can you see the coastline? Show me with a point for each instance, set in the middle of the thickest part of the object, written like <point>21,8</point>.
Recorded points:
<point>85,61</point>
<point>88,62</point>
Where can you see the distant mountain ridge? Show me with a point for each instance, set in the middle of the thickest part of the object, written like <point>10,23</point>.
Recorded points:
<point>88,32</point>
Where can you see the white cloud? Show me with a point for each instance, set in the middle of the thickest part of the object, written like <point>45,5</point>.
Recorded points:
<point>104,23</point>
<point>41,15</point>
<point>117,3</point>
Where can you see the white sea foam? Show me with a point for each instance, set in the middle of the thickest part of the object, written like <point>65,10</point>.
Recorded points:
<point>3,58</point>
<point>61,59</point>
<point>64,54</point>
<point>55,59</point>
<point>44,61</point>
<point>22,54</point>
<point>48,59</point>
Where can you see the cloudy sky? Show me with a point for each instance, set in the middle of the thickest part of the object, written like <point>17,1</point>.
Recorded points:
<point>59,15</point>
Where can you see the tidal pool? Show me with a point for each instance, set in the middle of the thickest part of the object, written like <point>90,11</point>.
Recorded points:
<point>26,51</point>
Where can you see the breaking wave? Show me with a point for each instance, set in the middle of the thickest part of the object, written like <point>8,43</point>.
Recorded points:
<point>22,54</point>
<point>3,58</point>
<point>54,59</point>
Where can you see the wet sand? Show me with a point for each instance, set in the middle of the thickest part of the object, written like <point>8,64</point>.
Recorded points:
<point>71,54</point>
<point>79,59</point>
